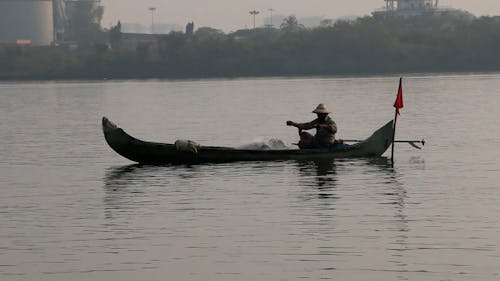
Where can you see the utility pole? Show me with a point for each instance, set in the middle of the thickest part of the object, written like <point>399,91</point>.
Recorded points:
<point>271,10</point>
<point>254,13</point>
<point>152,9</point>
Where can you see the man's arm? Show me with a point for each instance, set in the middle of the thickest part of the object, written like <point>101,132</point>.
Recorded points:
<point>331,127</point>
<point>303,126</point>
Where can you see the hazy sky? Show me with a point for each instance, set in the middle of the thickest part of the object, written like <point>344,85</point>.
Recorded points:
<point>233,14</point>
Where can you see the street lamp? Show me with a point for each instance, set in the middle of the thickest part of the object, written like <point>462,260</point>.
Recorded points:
<point>152,9</point>
<point>254,13</point>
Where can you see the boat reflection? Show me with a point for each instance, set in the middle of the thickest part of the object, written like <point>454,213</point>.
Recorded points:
<point>321,175</point>
<point>331,192</point>
<point>115,175</point>
<point>326,198</point>
<point>131,187</point>
<point>119,192</point>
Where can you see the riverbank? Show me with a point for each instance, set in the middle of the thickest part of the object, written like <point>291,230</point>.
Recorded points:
<point>361,47</point>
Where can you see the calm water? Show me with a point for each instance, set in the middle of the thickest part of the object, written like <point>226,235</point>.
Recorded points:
<point>72,209</point>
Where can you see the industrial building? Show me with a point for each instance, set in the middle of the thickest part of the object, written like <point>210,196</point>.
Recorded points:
<point>37,22</point>
<point>411,5</point>
<point>26,21</point>
<point>407,8</point>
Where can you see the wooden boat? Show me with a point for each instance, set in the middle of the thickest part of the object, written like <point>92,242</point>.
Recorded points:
<point>144,152</point>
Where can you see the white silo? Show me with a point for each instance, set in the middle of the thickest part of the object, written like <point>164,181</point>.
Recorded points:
<point>26,20</point>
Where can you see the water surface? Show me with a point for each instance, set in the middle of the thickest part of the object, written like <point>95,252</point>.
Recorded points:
<point>72,209</point>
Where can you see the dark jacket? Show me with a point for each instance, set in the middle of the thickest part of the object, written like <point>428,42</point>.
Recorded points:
<point>323,135</point>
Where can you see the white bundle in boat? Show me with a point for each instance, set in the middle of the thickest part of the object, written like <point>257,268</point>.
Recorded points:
<point>272,144</point>
<point>187,146</point>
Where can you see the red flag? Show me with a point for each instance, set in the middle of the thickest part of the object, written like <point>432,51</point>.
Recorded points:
<point>398,104</point>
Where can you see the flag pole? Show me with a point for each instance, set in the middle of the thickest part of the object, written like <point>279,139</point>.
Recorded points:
<point>394,135</point>
<point>397,105</point>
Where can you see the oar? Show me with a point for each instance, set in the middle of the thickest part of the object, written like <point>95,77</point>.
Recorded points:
<point>411,142</point>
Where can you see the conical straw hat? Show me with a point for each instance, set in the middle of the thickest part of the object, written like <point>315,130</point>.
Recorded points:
<point>321,108</point>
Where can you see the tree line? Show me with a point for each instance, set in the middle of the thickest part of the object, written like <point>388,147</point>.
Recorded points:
<point>428,43</point>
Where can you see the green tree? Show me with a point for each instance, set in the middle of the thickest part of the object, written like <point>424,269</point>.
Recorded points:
<point>204,33</point>
<point>115,35</point>
<point>291,24</point>
<point>190,28</point>
<point>326,23</point>
<point>85,22</point>
<point>170,46</point>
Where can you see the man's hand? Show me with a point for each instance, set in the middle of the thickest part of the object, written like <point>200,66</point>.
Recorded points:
<point>290,123</point>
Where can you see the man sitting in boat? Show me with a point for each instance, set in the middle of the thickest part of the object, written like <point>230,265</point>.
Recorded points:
<point>325,130</point>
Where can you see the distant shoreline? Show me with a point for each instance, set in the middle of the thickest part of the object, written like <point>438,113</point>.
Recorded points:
<point>363,47</point>
<point>333,76</point>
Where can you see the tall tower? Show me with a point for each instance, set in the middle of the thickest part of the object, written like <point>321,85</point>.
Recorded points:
<point>60,18</point>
